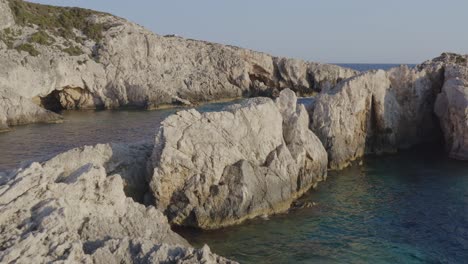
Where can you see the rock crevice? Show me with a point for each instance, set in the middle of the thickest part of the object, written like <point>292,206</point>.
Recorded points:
<point>217,169</point>
<point>73,208</point>
<point>380,111</point>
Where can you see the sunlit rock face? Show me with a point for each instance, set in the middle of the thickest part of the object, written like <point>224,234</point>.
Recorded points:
<point>377,112</point>
<point>72,208</point>
<point>452,107</point>
<point>17,110</point>
<point>6,17</point>
<point>123,64</point>
<point>217,169</point>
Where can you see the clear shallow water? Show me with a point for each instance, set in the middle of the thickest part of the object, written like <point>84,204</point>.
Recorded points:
<point>407,208</point>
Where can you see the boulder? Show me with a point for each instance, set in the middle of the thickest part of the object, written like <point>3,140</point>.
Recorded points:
<point>6,17</point>
<point>17,110</point>
<point>377,112</point>
<point>72,208</point>
<point>217,169</point>
<point>452,109</point>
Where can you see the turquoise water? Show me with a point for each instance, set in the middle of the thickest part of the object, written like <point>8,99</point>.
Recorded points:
<point>407,208</point>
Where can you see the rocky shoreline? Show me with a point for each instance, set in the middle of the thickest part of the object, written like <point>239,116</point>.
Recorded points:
<point>73,209</point>
<point>123,64</point>
<point>116,203</point>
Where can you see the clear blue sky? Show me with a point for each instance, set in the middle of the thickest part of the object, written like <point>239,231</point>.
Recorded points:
<point>348,31</point>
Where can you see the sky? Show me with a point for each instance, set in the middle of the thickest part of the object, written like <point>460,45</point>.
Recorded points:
<point>333,31</point>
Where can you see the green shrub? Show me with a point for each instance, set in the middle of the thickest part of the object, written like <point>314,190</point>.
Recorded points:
<point>7,38</point>
<point>94,31</point>
<point>28,48</point>
<point>60,20</point>
<point>73,51</point>
<point>7,31</point>
<point>41,37</point>
<point>81,62</point>
<point>460,60</point>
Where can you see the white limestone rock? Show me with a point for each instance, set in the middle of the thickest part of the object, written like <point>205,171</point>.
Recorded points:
<point>217,169</point>
<point>140,251</point>
<point>6,17</point>
<point>377,112</point>
<point>452,109</point>
<point>132,66</point>
<point>17,110</point>
<point>73,209</point>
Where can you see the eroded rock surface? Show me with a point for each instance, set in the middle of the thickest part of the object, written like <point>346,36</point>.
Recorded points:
<point>377,112</point>
<point>452,108</point>
<point>6,18</point>
<point>220,168</point>
<point>126,65</point>
<point>16,110</point>
<point>73,209</point>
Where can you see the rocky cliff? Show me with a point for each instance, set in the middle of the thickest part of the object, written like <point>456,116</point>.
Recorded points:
<point>452,107</point>
<point>71,58</point>
<point>17,110</point>
<point>382,111</point>
<point>72,208</point>
<point>217,169</point>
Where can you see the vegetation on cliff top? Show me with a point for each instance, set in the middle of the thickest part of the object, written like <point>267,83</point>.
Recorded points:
<point>28,48</point>
<point>41,37</point>
<point>60,20</point>
<point>73,51</point>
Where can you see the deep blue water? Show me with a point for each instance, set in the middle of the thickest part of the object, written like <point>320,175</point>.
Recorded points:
<point>406,208</point>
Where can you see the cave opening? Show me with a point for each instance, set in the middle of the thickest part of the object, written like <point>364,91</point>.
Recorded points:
<point>52,102</point>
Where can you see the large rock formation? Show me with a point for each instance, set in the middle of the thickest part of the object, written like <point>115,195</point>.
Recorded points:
<point>220,168</point>
<point>73,209</point>
<point>377,112</point>
<point>452,106</point>
<point>111,62</point>
<point>6,17</point>
<point>17,110</point>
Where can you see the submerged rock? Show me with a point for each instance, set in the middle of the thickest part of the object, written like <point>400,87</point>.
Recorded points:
<point>72,208</point>
<point>452,109</point>
<point>217,169</point>
<point>377,112</point>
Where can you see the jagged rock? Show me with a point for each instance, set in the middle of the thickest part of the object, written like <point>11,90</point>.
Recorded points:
<point>133,66</point>
<point>220,168</point>
<point>377,112</point>
<point>16,110</point>
<point>72,209</point>
<point>138,251</point>
<point>6,18</point>
<point>452,108</point>
<point>70,98</point>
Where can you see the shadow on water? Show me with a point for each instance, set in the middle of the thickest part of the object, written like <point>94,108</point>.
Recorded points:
<point>406,208</point>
